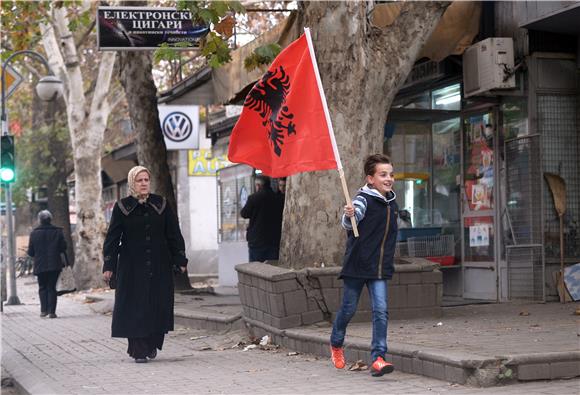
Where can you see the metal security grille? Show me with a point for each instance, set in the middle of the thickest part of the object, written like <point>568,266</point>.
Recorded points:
<point>558,126</point>
<point>525,272</point>
<point>523,219</point>
<point>523,200</point>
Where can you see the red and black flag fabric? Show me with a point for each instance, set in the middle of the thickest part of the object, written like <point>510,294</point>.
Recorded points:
<point>282,129</point>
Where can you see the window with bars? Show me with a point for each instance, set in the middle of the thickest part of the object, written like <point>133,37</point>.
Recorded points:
<point>558,125</point>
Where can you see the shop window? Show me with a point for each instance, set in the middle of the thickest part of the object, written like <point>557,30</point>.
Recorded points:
<point>447,98</point>
<point>426,158</point>
<point>410,150</point>
<point>446,168</point>
<point>515,118</point>
<point>420,101</point>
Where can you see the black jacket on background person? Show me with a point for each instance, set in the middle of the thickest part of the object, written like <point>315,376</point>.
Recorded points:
<point>46,246</point>
<point>142,245</point>
<point>263,210</point>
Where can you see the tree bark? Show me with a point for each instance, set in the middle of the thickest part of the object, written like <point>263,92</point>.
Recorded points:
<point>136,68</point>
<point>47,114</point>
<point>87,120</point>
<point>141,92</point>
<point>362,68</point>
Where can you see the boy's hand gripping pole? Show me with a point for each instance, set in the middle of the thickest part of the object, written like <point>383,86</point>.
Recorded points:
<point>348,201</point>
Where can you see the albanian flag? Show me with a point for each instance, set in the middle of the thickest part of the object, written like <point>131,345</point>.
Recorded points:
<point>283,129</point>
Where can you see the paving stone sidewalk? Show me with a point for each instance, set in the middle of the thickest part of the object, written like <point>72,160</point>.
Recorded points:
<point>491,330</point>
<point>74,354</point>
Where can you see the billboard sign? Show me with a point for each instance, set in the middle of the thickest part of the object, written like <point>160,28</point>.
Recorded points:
<point>146,28</point>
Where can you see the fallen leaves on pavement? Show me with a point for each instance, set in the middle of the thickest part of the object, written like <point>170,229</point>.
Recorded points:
<point>358,366</point>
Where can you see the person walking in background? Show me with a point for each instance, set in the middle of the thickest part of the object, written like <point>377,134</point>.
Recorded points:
<point>142,247</point>
<point>263,210</point>
<point>368,260</point>
<point>46,246</point>
<point>282,187</point>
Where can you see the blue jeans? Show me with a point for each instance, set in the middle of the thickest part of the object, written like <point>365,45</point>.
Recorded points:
<point>378,294</point>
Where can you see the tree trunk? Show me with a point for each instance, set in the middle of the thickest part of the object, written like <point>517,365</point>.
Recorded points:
<point>137,79</point>
<point>90,224</point>
<point>362,68</point>
<point>87,120</point>
<point>46,114</point>
<point>141,93</point>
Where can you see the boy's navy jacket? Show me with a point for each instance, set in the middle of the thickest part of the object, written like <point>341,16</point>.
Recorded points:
<point>370,256</point>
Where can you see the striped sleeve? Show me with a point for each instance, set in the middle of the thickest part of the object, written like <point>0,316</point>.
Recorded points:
<point>360,208</point>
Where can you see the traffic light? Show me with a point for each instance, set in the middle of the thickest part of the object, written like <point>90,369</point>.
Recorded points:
<point>7,165</point>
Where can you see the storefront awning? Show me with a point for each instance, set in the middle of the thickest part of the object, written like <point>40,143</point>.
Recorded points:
<point>453,35</point>
<point>563,21</point>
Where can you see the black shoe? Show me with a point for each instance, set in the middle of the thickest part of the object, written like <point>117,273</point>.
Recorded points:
<point>140,360</point>
<point>43,314</point>
<point>52,315</point>
<point>152,354</point>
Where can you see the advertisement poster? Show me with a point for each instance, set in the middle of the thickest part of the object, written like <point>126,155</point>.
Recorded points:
<point>202,163</point>
<point>480,197</point>
<point>180,126</point>
<point>142,28</point>
<point>479,236</point>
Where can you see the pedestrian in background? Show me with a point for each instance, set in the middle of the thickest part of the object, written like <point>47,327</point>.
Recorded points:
<point>142,247</point>
<point>368,260</point>
<point>263,233</point>
<point>47,246</point>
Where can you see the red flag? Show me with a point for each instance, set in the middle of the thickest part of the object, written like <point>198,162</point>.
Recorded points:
<point>282,129</point>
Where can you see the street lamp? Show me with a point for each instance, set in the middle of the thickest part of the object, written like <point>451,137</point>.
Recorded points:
<point>48,88</point>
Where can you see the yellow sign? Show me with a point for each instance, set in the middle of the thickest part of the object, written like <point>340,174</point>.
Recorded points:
<point>202,163</point>
<point>13,80</point>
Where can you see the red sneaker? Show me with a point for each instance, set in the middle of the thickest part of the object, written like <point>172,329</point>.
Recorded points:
<point>380,367</point>
<point>337,357</point>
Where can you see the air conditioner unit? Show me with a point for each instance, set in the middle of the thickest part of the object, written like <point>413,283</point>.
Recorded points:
<point>487,65</point>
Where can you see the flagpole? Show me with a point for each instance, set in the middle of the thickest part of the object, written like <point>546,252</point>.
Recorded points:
<point>330,129</point>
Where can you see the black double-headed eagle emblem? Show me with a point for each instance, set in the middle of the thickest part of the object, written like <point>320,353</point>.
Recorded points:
<point>268,98</point>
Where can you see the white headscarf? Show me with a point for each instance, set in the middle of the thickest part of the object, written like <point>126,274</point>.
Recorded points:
<point>131,182</point>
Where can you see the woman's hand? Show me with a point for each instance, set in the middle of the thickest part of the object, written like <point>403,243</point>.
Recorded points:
<point>349,210</point>
<point>183,269</point>
<point>107,275</point>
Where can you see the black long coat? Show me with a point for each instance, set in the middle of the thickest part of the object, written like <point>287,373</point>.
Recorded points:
<point>142,246</point>
<point>46,246</point>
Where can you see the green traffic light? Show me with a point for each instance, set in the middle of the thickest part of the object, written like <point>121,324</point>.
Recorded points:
<point>7,165</point>
<point>7,175</point>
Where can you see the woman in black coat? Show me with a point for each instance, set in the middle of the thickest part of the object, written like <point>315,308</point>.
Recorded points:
<point>142,246</point>
<point>46,246</point>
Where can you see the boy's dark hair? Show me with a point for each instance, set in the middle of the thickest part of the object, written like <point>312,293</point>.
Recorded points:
<point>372,161</point>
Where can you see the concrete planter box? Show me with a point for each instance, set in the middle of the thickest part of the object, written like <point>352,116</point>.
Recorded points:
<point>283,298</point>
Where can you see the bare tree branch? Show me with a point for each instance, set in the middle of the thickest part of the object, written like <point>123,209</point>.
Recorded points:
<point>86,34</point>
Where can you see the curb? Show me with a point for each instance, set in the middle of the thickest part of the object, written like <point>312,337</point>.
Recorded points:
<point>456,367</point>
<point>216,322</point>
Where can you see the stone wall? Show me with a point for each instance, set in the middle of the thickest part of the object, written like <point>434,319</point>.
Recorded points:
<point>284,298</point>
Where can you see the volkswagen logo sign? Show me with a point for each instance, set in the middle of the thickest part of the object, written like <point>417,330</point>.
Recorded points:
<point>177,126</point>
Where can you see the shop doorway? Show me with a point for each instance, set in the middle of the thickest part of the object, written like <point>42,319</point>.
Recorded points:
<point>425,147</point>
<point>479,205</point>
